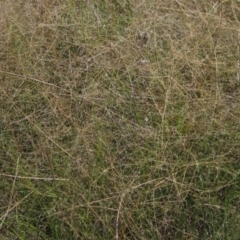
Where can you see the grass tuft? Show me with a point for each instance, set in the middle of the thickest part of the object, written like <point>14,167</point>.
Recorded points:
<point>119,119</point>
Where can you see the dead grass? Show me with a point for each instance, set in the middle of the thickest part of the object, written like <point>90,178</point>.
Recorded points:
<point>119,119</point>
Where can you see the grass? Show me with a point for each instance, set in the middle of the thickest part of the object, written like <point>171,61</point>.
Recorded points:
<point>119,120</point>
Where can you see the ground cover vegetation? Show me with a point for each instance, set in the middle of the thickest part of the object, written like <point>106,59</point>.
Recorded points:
<point>120,119</point>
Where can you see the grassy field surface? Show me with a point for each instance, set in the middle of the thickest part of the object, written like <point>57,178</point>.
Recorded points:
<point>120,119</point>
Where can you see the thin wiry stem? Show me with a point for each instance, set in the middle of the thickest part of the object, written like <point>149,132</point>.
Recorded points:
<point>34,178</point>
<point>118,216</point>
